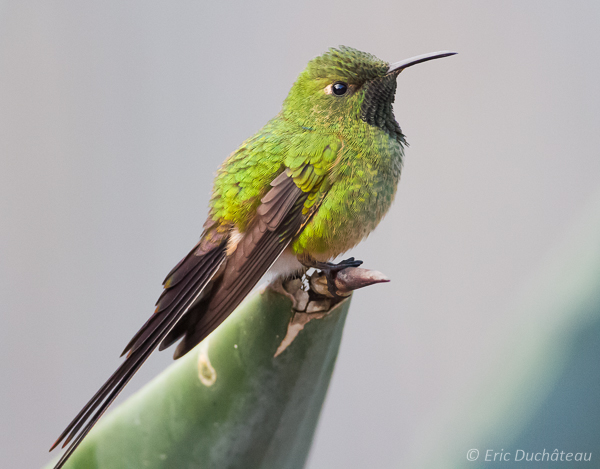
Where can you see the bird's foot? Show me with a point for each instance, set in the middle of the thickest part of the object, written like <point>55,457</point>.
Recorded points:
<point>331,270</point>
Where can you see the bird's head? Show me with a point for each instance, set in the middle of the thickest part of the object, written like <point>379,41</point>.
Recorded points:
<point>345,88</point>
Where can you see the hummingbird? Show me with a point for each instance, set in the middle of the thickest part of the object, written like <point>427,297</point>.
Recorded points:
<point>306,188</point>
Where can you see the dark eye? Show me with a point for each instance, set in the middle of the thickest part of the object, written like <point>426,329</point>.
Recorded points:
<point>339,88</point>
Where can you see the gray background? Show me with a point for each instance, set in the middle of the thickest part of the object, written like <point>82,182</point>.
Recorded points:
<point>115,115</point>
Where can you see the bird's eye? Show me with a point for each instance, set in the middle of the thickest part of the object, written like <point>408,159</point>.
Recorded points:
<point>339,88</point>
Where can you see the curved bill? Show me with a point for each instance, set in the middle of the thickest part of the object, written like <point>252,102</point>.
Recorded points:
<point>397,67</point>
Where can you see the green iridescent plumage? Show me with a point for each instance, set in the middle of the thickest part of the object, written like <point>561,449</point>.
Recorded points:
<point>311,184</point>
<point>349,167</point>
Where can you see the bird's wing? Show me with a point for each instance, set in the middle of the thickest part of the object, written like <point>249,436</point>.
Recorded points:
<point>185,310</point>
<point>284,210</point>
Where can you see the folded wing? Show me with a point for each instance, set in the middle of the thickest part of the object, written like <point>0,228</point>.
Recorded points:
<point>202,290</point>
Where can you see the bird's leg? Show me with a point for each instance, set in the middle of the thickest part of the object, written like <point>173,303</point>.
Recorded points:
<point>331,270</point>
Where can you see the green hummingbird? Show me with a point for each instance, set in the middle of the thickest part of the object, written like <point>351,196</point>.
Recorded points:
<point>307,187</point>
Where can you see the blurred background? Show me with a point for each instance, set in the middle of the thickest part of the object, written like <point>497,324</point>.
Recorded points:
<point>114,117</point>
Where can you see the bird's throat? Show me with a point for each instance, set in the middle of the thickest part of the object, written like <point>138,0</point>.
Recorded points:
<point>376,108</point>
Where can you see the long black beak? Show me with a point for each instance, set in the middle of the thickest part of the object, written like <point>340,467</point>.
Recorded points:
<point>399,66</point>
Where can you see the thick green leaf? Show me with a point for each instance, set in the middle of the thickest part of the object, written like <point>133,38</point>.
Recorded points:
<point>230,403</point>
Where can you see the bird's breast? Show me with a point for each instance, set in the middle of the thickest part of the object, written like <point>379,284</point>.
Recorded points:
<point>361,195</point>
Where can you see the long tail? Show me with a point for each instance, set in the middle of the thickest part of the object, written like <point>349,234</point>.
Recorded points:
<point>187,282</point>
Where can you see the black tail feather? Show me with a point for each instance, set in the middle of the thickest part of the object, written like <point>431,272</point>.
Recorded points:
<point>153,334</point>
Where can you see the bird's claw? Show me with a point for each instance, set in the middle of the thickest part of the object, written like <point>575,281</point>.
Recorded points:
<point>331,270</point>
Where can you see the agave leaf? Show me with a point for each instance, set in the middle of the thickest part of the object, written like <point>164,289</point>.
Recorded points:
<point>229,403</point>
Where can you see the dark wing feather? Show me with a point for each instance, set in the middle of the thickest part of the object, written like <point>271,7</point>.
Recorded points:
<point>192,275</point>
<point>279,219</point>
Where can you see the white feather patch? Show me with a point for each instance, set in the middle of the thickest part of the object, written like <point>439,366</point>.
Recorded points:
<point>233,241</point>
<point>285,265</point>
